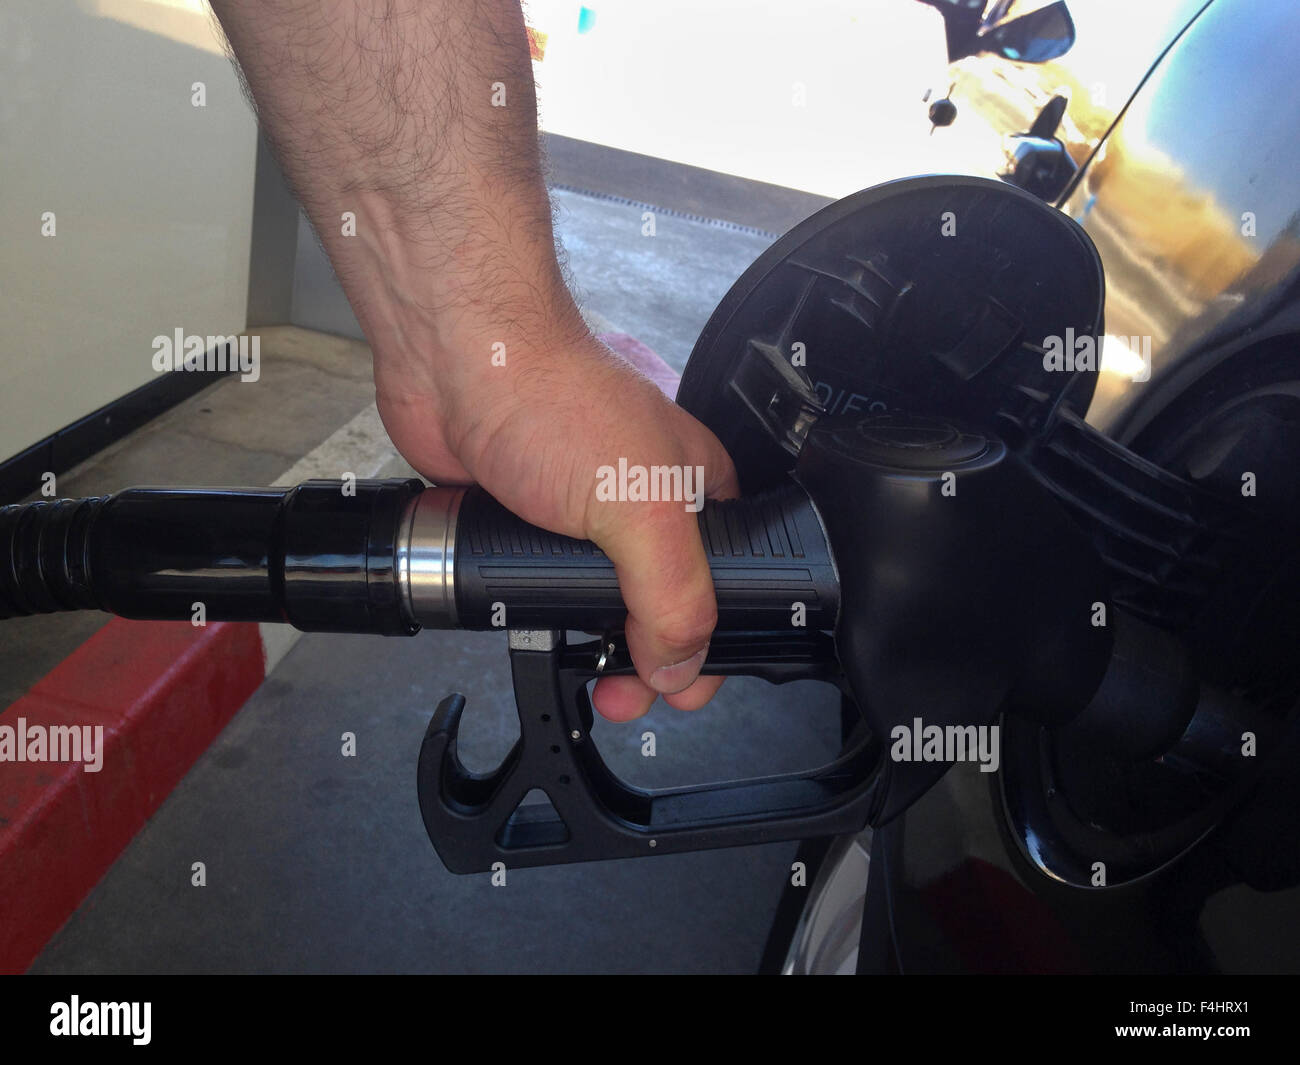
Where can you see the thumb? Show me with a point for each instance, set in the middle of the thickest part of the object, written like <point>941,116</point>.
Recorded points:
<point>664,577</point>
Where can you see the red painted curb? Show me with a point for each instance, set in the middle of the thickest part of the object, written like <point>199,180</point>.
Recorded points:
<point>162,692</point>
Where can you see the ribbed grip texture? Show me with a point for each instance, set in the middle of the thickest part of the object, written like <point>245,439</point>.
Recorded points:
<point>771,568</point>
<point>43,561</point>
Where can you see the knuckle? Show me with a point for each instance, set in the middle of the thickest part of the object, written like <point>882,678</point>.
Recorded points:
<point>688,626</point>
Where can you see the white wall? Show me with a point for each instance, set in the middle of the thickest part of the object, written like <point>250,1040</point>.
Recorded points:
<point>152,198</point>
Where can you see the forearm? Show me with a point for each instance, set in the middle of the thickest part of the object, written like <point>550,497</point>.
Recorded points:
<point>392,110</point>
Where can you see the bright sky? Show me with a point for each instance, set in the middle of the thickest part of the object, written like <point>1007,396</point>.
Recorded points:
<point>716,83</point>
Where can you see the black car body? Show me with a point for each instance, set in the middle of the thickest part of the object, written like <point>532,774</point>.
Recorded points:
<point>1171,143</point>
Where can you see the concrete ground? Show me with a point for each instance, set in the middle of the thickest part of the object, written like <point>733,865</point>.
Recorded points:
<point>320,863</point>
<point>230,433</point>
<point>659,288</point>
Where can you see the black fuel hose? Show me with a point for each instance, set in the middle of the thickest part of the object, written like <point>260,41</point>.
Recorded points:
<point>386,557</point>
<point>319,555</point>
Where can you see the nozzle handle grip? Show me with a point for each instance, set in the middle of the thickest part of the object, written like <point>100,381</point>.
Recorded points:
<point>772,568</point>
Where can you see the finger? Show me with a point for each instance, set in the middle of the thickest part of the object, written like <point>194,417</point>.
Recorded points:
<point>696,695</point>
<point>722,484</point>
<point>720,480</point>
<point>622,698</point>
<point>667,587</point>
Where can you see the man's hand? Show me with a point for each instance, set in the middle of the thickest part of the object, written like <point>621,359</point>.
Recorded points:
<point>418,119</point>
<point>534,433</point>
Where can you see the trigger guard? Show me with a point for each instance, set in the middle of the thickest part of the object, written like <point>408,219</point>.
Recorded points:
<point>475,821</point>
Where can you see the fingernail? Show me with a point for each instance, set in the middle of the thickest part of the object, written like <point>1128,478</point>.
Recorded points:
<point>667,680</point>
